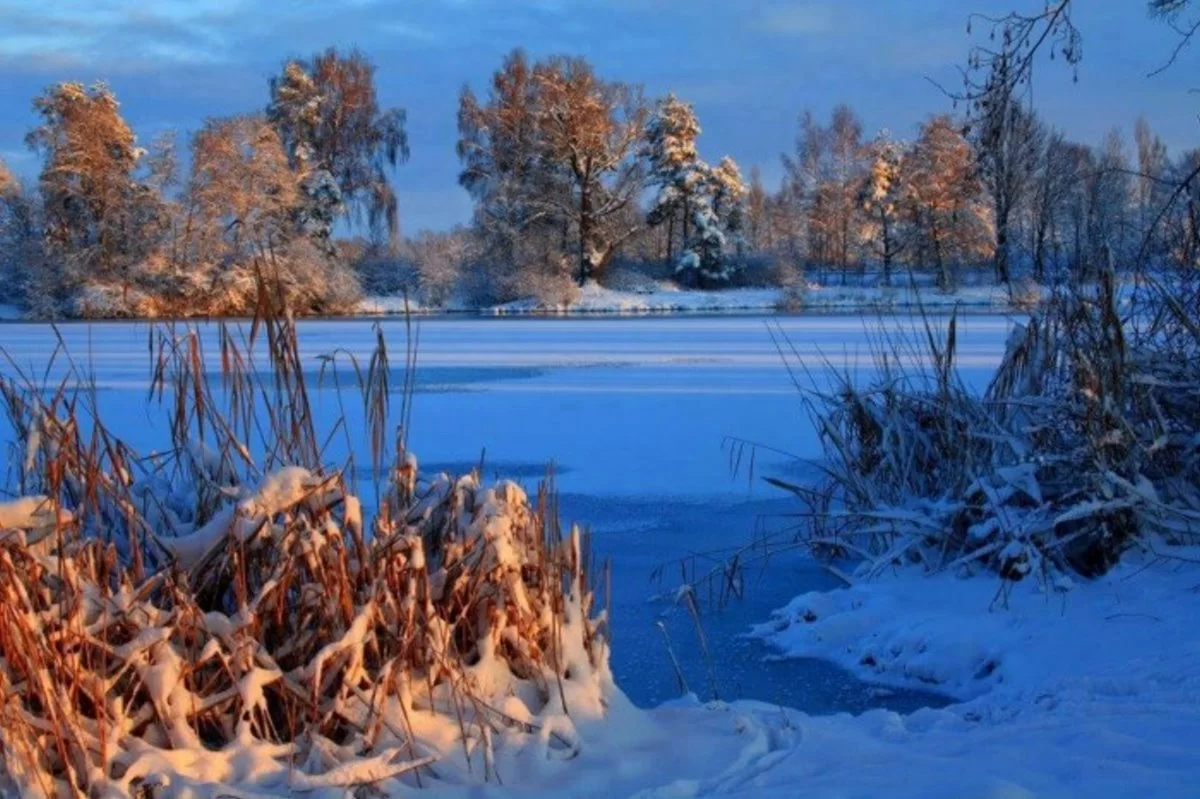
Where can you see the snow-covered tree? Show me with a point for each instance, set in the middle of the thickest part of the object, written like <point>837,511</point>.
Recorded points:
<point>717,214</point>
<point>99,219</point>
<point>240,206</point>
<point>518,228</point>
<point>729,201</point>
<point>823,181</point>
<point>705,203</point>
<point>951,224</point>
<point>242,188</point>
<point>20,238</point>
<point>882,196</point>
<point>336,136</point>
<point>549,155</point>
<point>589,130</point>
<point>674,167</point>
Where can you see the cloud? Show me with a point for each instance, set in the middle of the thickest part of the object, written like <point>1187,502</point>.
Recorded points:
<point>409,31</point>
<point>123,36</point>
<point>796,19</point>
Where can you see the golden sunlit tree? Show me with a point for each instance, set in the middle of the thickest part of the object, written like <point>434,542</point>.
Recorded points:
<point>329,120</point>
<point>99,220</point>
<point>943,196</point>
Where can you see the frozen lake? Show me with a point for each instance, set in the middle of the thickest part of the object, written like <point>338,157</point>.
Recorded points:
<point>633,413</point>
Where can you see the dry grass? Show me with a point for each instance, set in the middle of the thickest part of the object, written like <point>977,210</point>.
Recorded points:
<point>162,604</point>
<point>1084,444</point>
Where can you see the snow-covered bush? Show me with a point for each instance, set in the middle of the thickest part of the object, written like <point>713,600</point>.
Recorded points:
<point>1086,443</point>
<point>209,622</point>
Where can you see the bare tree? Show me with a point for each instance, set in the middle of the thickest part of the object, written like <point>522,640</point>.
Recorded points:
<point>1149,184</point>
<point>758,226</point>
<point>1056,175</point>
<point>1003,67</point>
<point>1006,140</point>
<point>824,179</point>
<point>519,196</point>
<point>1111,203</point>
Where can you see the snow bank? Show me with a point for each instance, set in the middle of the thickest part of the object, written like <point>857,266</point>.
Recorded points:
<point>666,297</point>
<point>10,313</point>
<point>1007,645</point>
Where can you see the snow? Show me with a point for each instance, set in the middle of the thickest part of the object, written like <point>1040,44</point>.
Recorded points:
<point>30,513</point>
<point>666,297</point>
<point>669,298</point>
<point>594,298</point>
<point>10,313</point>
<point>1090,690</point>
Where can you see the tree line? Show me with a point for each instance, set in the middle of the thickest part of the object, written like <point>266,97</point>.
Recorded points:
<point>574,178</point>
<point>111,228</point>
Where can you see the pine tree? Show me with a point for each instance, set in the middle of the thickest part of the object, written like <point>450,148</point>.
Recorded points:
<point>674,167</point>
<point>708,202</point>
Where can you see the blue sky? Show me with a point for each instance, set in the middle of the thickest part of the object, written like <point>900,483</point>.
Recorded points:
<point>749,66</point>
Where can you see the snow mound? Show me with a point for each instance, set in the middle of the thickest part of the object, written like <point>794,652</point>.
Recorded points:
<point>1004,644</point>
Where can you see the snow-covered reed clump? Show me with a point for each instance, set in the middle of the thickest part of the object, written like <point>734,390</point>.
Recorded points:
<point>214,622</point>
<point>1086,443</point>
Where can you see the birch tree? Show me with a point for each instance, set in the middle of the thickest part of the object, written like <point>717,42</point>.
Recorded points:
<point>338,139</point>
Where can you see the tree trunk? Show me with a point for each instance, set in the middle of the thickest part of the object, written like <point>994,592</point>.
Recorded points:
<point>683,245</point>
<point>585,232</point>
<point>887,251</point>
<point>1002,274</point>
<point>1039,251</point>
<point>939,260</point>
<point>671,240</point>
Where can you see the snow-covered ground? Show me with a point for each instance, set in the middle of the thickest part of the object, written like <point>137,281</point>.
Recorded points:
<point>669,298</point>
<point>1092,692</point>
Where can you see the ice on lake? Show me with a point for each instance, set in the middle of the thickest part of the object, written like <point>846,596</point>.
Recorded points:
<point>633,413</point>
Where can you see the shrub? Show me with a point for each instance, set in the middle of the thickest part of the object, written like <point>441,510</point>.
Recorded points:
<point>206,617</point>
<point>1083,445</point>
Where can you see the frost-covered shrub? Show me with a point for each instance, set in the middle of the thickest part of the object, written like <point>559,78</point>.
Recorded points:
<point>551,287</point>
<point>109,301</point>
<point>382,275</point>
<point>1085,443</point>
<point>636,277</point>
<point>209,622</point>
